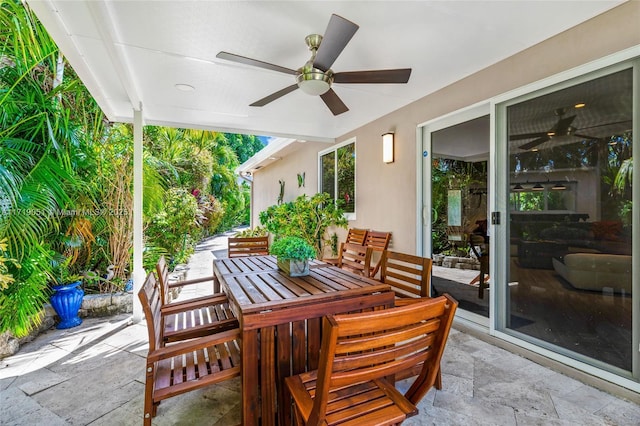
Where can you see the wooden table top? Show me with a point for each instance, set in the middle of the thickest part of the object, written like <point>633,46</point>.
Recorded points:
<point>256,286</point>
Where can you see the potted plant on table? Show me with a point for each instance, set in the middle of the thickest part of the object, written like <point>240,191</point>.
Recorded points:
<point>293,255</point>
<point>67,297</point>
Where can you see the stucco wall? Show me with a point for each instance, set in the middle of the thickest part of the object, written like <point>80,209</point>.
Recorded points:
<point>265,181</point>
<point>386,192</point>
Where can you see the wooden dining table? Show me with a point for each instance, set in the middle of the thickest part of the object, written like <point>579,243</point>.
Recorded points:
<point>281,323</point>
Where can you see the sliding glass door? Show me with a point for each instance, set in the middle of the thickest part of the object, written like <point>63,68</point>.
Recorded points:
<point>569,224</point>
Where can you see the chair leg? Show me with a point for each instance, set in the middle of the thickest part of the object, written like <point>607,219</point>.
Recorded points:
<point>149,407</point>
<point>438,384</point>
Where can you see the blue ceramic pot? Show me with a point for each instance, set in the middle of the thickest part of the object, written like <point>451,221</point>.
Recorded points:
<point>66,301</point>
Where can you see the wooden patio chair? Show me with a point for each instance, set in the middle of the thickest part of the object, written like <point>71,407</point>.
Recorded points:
<point>410,278</point>
<point>192,317</point>
<point>185,366</point>
<point>354,236</point>
<point>379,242</point>
<point>248,246</point>
<point>355,258</point>
<point>407,274</point>
<point>360,357</point>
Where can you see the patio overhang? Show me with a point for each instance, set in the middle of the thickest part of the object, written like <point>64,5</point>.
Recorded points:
<point>161,56</point>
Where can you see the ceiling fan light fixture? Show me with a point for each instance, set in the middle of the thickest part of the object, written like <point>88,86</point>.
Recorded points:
<point>537,187</point>
<point>518,188</point>
<point>313,81</point>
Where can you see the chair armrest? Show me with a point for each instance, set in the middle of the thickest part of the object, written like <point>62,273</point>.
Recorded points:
<point>188,305</point>
<point>192,281</point>
<point>193,345</point>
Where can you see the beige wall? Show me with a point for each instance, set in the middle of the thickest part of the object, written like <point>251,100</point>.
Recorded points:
<point>265,181</point>
<point>386,194</point>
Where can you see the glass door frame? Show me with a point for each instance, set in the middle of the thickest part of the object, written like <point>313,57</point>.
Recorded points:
<point>500,203</point>
<point>424,186</point>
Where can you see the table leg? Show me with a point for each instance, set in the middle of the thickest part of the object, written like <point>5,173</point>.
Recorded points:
<point>267,375</point>
<point>250,396</point>
<point>283,370</point>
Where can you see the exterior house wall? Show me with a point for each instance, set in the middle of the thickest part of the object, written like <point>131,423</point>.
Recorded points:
<point>386,193</point>
<point>266,187</point>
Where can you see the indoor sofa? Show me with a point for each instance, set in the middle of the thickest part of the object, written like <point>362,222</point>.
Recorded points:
<point>595,271</point>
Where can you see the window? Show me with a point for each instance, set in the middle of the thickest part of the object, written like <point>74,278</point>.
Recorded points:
<point>337,175</point>
<point>548,196</point>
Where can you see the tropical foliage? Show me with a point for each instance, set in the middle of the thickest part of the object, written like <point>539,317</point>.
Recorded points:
<point>305,217</point>
<point>66,179</point>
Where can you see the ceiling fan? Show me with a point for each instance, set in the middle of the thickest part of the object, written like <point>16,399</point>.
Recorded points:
<point>562,127</point>
<point>315,77</point>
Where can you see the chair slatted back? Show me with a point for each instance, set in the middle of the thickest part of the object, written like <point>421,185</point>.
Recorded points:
<point>149,296</point>
<point>356,236</point>
<point>162,270</point>
<point>355,257</point>
<point>379,242</point>
<point>248,246</point>
<point>363,352</point>
<point>408,275</point>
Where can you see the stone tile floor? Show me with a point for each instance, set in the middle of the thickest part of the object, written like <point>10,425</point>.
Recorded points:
<point>94,374</point>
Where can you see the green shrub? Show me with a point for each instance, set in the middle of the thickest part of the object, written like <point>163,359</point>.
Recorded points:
<point>258,231</point>
<point>176,227</point>
<point>294,248</point>
<point>305,217</point>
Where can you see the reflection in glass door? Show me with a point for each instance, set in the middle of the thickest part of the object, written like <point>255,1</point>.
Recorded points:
<point>459,205</point>
<point>570,220</point>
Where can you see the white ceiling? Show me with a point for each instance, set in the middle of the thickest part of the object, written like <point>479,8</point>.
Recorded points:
<point>132,53</point>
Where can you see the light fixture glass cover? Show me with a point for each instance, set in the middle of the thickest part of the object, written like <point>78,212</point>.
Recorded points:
<point>314,81</point>
<point>387,147</point>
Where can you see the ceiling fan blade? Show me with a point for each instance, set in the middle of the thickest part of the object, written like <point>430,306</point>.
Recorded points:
<point>254,62</point>
<point>533,144</point>
<point>400,75</point>
<point>613,123</point>
<point>334,103</point>
<point>335,39</point>
<point>272,97</point>
<point>527,136</point>
<point>562,127</point>
<point>587,137</point>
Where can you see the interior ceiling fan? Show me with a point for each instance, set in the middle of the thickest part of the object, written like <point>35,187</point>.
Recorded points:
<point>562,127</point>
<point>316,77</point>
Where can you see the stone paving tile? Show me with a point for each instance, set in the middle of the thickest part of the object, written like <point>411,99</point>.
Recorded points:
<point>203,406</point>
<point>570,412</point>
<point>620,412</point>
<point>17,408</point>
<point>24,363</point>
<point>38,381</point>
<point>481,411</point>
<point>97,378</point>
<point>94,390</point>
<point>588,398</point>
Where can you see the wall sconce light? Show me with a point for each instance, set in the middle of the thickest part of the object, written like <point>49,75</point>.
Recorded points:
<point>387,147</point>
